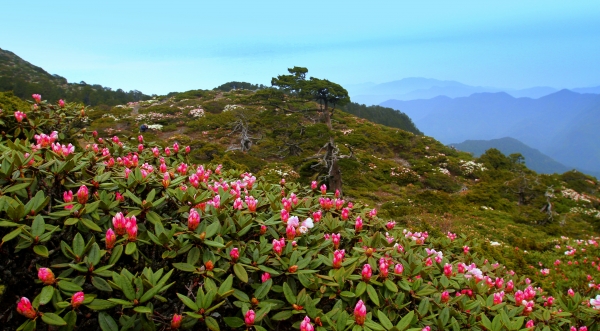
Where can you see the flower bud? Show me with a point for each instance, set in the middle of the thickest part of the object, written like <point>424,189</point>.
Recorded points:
<point>37,98</point>
<point>46,276</point>
<point>20,116</point>
<point>249,318</point>
<point>305,325</point>
<point>367,273</point>
<point>24,308</point>
<point>111,238</point>
<point>82,194</point>
<point>265,276</point>
<point>61,103</point>
<point>234,254</point>
<point>193,220</point>
<point>360,313</point>
<point>77,299</point>
<point>176,321</point>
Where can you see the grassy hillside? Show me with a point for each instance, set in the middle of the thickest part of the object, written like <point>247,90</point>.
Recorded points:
<point>25,79</point>
<point>414,179</point>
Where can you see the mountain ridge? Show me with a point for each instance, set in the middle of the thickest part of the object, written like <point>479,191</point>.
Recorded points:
<point>412,88</point>
<point>549,123</point>
<point>534,159</point>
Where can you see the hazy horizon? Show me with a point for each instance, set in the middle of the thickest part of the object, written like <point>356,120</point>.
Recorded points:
<point>159,48</point>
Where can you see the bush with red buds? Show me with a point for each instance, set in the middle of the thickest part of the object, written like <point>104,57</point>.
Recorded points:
<point>157,242</point>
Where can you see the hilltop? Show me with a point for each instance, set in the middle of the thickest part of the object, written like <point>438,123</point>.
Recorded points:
<point>25,79</point>
<point>534,159</point>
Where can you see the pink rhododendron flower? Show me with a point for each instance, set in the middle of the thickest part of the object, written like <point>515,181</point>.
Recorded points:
<point>360,313</point>
<point>46,276</point>
<point>24,308</point>
<point>305,325</point>
<point>82,194</point>
<point>176,321</point>
<point>366,273</point>
<point>77,299</point>
<point>265,276</point>
<point>234,254</point>
<point>249,318</point>
<point>193,220</point>
<point>338,258</point>
<point>111,238</point>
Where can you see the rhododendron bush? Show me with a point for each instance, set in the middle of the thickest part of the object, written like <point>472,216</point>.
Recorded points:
<point>122,235</point>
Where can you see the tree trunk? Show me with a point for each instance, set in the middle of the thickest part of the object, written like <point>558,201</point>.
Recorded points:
<point>334,172</point>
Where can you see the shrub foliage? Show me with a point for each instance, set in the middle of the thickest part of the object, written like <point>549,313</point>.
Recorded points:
<point>120,236</point>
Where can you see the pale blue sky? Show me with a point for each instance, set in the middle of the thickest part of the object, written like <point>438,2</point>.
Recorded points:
<point>158,47</point>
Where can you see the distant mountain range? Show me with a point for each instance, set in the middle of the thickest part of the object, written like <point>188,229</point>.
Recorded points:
<point>534,159</point>
<point>426,88</point>
<point>563,125</point>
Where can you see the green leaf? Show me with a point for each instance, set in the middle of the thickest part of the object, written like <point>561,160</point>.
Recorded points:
<point>78,245</point>
<point>348,294</point>
<point>188,302</point>
<point>15,188</point>
<point>289,294</point>
<point>68,286</point>
<point>30,325</point>
<point>373,294</point>
<point>90,224</point>
<point>391,286</point>
<point>40,250</point>
<point>107,323</point>
<point>385,321</point>
<point>193,256</point>
<point>263,289</point>
<point>225,286</point>
<point>38,226</point>
<point>240,272</point>
<point>184,267</point>
<point>213,244</point>
<point>46,294</point>
<point>234,322</point>
<point>142,310</point>
<point>360,288</point>
<point>100,304</point>
<point>94,254</point>
<point>405,321</point>
<point>116,254</point>
<point>212,229</point>
<point>486,321</point>
<point>133,197</point>
<point>130,248</point>
<point>157,288</point>
<point>373,326</point>
<point>211,323</point>
<point>282,315</point>
<point>71,319</point>
<point>53,319</point>
<point>11,235</point>
<point>262,313</point>
<point>126,287</point>
<point>101,284</point>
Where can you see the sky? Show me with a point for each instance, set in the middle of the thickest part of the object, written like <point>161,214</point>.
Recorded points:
<point>160,47</point>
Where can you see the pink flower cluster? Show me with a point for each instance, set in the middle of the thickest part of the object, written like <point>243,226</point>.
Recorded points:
<point>124,225</point>
<point>418,237</point>
<point>44,141</point>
